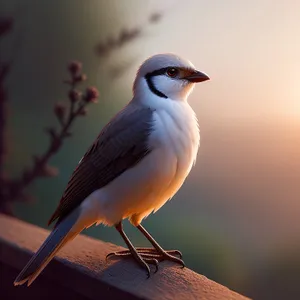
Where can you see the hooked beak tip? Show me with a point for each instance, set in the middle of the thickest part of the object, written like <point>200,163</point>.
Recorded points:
<point>197,76</point>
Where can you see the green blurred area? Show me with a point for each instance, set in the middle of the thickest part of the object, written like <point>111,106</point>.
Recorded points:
<point>222,219</point>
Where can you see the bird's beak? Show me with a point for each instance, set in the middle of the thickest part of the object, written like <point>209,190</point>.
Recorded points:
<point>196,76</point>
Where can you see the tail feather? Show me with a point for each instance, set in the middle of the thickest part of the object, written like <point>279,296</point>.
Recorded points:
<point>64,232</point>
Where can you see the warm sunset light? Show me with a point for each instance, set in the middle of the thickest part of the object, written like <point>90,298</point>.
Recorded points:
<point>295,96</point>
<point>67,67</point>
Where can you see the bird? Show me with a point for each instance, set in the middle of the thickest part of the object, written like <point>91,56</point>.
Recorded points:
<point>138,162</point>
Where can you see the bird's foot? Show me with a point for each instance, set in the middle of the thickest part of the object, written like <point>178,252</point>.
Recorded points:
<point>151,256</point>
<point>142,258</point>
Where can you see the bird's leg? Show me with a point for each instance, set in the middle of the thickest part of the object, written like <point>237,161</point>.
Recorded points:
<point>157,253</point>
<point>142,261</point>
<point>163,254</point>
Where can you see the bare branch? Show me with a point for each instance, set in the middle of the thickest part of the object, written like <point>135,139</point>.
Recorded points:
<point>66,115</point>
<point>125,36</point>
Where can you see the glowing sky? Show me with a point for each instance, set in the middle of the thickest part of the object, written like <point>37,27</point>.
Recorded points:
<point>250,49</point>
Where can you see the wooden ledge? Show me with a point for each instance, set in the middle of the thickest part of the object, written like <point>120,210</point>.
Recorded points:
<point>80,271</point>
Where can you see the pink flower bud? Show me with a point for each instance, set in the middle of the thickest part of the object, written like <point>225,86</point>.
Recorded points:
<point>92,94</point>
<point>75,67</point>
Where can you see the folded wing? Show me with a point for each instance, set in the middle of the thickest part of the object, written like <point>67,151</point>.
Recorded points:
<point>121,144</point>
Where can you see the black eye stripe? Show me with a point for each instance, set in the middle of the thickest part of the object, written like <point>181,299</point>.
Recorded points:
<point>150,83</point>
<point>158,72</point>
<point>162,71</point>
<point>153,89</point>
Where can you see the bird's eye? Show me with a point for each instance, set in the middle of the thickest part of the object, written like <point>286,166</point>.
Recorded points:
<point>172,72</point>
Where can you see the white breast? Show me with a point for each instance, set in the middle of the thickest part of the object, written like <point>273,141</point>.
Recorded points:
<point>147,186</point>
<point>177,132</point>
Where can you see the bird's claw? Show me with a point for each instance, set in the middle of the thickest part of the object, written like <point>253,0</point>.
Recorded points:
<point>150,256</point>
<point>145,251</point>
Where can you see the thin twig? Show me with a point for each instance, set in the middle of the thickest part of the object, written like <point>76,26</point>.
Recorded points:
<point>77,107</point>
<point>105,48</point>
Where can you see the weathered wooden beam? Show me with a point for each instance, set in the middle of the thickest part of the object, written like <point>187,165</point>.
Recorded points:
<point>81,272</point>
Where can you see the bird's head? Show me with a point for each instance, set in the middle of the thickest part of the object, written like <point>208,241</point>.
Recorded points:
<point>167,76</point>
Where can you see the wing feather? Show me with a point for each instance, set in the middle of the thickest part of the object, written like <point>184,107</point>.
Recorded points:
<point>121,144</point>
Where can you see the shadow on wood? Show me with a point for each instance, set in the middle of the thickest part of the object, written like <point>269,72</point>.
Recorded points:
<point>81,272</point>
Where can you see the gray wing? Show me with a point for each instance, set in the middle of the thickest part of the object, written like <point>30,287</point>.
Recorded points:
<point>121,144</point>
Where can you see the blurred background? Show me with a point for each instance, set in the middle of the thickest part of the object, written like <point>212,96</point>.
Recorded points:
<point>237,217</point>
